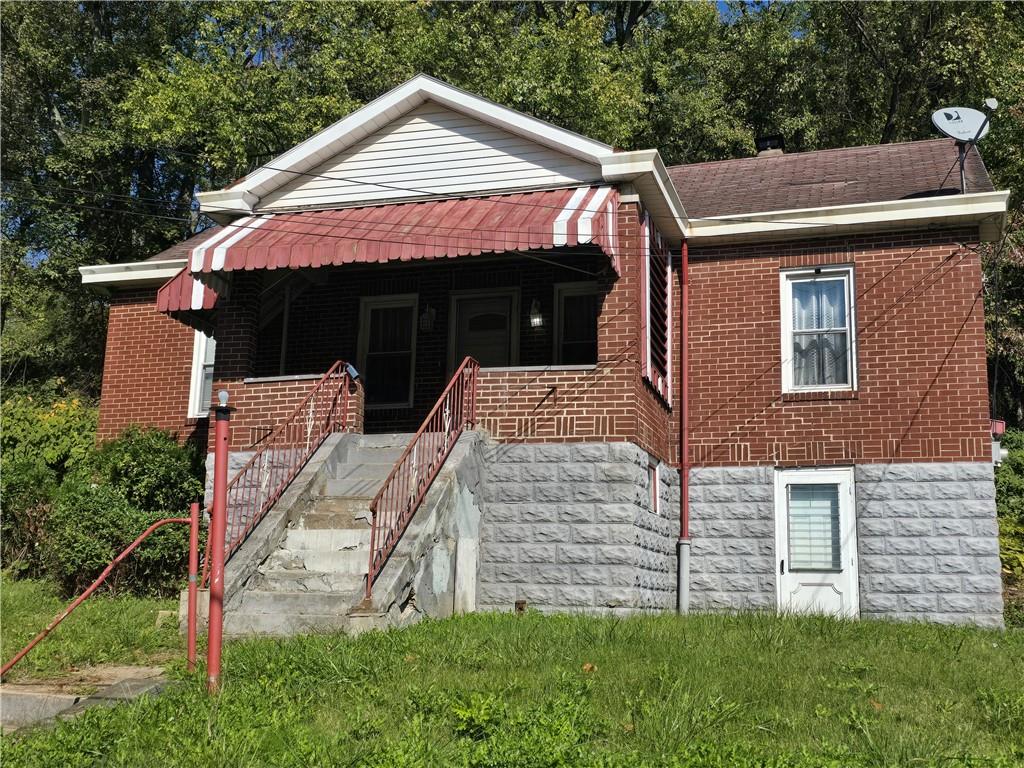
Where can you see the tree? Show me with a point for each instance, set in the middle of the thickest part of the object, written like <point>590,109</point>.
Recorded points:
<point>115,114</point>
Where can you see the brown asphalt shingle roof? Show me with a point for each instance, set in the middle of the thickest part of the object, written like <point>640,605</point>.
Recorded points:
<point>181,250</point>
<point>825,178</point>
<point>800,180</point>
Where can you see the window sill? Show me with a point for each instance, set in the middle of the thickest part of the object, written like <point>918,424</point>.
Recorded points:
<point>271,379</point>
<point>823,395</point>
<point>526,368</point>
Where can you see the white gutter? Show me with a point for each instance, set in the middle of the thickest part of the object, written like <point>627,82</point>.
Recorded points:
<point>132,275</point>
<point>984,209</point>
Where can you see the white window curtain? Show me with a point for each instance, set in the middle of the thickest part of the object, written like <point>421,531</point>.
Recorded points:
<point>820,333</point>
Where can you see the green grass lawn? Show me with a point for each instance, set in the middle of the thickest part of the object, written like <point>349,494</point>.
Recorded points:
<point>504,690</point>
<point>103,630</point>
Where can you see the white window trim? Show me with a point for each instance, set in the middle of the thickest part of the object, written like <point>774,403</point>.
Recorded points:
<point>652,237</point>
<point>514,322</point>
<point>367,303</point>
<point>562,290</point>
<point>196,408</point>
<point>654,473</point>
<point>843,477</point>
<point>786,279</point>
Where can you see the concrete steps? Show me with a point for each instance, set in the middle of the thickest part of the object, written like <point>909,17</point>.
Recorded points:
<point>316,576</point>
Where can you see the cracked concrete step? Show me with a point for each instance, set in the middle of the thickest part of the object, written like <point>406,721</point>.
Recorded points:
<point>349,561</point>
<point>301,603</point>
<point>282,625</point>
<point>374,456</point>
<point>353,488</point>
<point>327,539</point>
<point>299,580</point>
<point>362,472</point>
<point>393,440</point>
<point>316,521</point>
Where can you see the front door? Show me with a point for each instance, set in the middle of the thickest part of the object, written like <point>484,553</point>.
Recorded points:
<point>816,541</point>
<point>483,326</point>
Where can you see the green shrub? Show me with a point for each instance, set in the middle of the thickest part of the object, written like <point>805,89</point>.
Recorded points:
<point>56,430</point>
<point>149,468</point>
<point>1010,504</point>
<point>90,524</point>
<point>44,434</point>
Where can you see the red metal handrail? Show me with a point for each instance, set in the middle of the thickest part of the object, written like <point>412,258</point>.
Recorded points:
<point>414,472</point>
<point>280,457</point>
<point>193,521</point>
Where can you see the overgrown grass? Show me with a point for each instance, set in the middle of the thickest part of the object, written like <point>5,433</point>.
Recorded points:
<point>119,630</point>
<point>502,690</point>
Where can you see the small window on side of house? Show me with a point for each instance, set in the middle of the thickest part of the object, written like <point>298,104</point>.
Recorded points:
<point>652,482</point>
<point>200,394</point>
<point>818,330</point>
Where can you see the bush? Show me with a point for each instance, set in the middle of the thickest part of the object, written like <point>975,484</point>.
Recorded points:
<point>150,469</point>
<point>1010,504</point>
<point>44,435</point>
<point>90,524</point>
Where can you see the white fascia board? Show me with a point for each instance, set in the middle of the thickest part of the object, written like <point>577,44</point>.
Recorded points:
<point>396,102</point>
<point>134,274</point>
<point>227,203</point>
<point>984,209</point>
<point>645,170</point>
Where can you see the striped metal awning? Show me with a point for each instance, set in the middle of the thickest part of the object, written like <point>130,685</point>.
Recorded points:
<point>434,229</point>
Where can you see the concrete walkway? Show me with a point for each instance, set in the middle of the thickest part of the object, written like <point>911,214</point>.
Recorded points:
<point>46,701</point>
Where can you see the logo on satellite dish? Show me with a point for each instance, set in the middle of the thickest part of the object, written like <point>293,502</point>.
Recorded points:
<point>961,123</point>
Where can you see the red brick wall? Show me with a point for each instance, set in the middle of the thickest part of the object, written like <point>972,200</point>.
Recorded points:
<point>921,355</point>
<point>146,369</point>
<point>260,406</point>
<point>609,402</point>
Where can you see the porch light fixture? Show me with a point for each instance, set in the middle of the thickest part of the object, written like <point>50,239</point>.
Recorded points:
<point>427,317</point>
<point>536,318</point>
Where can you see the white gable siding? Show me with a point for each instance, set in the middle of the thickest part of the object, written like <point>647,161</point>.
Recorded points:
<point>431,150</point>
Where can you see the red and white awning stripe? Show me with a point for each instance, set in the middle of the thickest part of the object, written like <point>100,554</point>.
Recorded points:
<point>398,232</point>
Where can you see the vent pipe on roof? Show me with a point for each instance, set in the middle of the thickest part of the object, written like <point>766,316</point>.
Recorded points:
<point>770,146</point>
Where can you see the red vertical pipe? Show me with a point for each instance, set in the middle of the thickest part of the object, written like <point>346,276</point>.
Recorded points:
<point>684,397</point>
<point>193,586</point>
<point>218,528</point>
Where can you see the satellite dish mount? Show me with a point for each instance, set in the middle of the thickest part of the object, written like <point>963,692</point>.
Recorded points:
<point>967,127</point>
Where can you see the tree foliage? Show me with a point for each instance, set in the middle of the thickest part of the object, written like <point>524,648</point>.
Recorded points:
<point>115,114</point>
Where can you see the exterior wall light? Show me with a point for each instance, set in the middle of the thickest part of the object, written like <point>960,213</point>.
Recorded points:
<point>536,318</point>
<point>427,317</point>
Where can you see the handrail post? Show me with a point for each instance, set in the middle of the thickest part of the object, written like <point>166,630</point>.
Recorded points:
<point>193,586</point>
<point>218,531</point>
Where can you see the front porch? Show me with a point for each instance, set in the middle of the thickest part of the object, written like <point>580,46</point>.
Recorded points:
<point>556,335</point>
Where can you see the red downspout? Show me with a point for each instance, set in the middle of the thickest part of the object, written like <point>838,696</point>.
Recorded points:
<point>684,399</point>
<point>683,545</point>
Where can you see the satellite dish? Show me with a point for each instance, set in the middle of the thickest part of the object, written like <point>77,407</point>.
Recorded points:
<point>961,123</point>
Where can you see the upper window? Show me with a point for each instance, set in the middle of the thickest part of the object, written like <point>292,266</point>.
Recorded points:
<point>818,343</point>
<point>576,308</point>
<point>200,393</point>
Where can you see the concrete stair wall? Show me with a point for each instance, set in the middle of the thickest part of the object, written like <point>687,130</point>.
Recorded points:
<point>316,574</point>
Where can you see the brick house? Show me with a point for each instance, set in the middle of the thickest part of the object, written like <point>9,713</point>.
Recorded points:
<point>800,335</point>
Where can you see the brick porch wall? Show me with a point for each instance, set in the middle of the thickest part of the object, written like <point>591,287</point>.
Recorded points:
<point>263,405</point>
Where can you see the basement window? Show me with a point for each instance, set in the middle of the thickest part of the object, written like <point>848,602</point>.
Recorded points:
<point>818,341</point>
